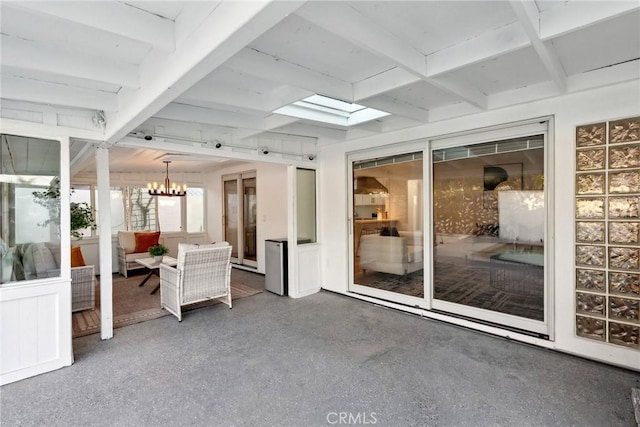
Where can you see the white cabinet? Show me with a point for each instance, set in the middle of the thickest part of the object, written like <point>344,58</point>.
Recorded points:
<point>369,199</point>
<point>363,199</point>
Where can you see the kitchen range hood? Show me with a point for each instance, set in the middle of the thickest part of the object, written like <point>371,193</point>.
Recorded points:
<point>368,185</point>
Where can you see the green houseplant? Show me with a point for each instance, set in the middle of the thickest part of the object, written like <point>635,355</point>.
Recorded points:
<point>81,214</point>
<point>158,251</point>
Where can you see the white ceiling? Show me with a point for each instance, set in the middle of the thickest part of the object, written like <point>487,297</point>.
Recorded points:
<point>215,71</point>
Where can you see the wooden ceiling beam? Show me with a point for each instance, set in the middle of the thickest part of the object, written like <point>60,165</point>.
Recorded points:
<point>38,91</point>
<point>529,16</point>
<point>259,64</point>
<point>29,55</point>
<point>571,16</point>
<point>223,33</point>
<point>344,21</point>
<point>113,17</point>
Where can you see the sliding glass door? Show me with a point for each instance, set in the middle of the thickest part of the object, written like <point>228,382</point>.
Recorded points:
<point>470,241</point>
<point>240,217</point>
<point>489,231</point>
<point>387,245</point>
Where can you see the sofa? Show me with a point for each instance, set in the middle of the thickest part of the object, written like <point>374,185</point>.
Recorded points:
<point>134,245</point>
<point>31,261</point>
<point>400,254</point>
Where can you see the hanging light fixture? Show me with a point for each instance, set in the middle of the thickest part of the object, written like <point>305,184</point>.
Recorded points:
<point>167,189</point>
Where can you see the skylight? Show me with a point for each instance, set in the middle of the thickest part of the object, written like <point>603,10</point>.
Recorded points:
<point>329,110</point>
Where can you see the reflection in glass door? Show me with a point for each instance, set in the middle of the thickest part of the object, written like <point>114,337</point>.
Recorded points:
<point>489,226</point>
<point>250,218</point>
<point>231,216</point>
<point>240,217</point>
<point>387,230</point>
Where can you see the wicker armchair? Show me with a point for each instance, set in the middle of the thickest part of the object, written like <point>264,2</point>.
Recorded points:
<point>203,273</point>
<point>83,288</point>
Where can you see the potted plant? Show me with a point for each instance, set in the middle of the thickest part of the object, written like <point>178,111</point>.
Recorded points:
<point>81,214</point>
<point>158,251</point>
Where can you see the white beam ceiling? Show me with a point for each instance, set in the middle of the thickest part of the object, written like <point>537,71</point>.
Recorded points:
<point>351,25</point>
<point>221,67</point>
<point>37,91</point>
<point>529,17</point>
<point>26,54</point>
<point>570,16</point>
<point>227,30</point>
<point>113,17</point>
<point>259,64</point>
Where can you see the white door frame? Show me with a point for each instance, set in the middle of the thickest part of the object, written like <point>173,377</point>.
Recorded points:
<point>238,177</point>
<point>396,149</point>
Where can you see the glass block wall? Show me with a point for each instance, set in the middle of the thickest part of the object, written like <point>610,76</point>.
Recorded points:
<point>608,232</point>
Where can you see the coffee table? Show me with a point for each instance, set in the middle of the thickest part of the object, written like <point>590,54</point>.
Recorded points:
<point>154,266</point>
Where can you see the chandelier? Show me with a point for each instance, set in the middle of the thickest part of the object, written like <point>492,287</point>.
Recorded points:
<point>167,189</point>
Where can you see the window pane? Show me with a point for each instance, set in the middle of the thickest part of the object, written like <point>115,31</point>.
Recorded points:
<point>140,209</point>
<point>81,194</point>
<point>388,224</point>
<point>195,210</point>
<point>169,214</point>
<point>488,213</point>
<point>117,211</point>
<point>306,205</point>
<point>250,218</point>
<point>29,208</point>
<point>231,215</point>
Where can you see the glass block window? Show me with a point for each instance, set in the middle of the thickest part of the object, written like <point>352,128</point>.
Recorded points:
<point>607,237</point>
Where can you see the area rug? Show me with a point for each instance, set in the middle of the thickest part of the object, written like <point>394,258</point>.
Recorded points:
<point>134,304</point>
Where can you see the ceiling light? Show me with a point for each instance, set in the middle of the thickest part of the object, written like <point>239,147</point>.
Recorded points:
<point>167,189</point>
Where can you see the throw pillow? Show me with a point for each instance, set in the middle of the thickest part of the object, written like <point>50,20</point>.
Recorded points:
<point>394,232</point>
<point>127,241</point>
<point>43,260</point>
<point>385,232</point>
<point>145,240</point>
<point>77,260</point>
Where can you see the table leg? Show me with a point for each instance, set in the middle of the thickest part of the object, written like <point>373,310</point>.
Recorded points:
<point>153,272</point>
<point>146,278</point>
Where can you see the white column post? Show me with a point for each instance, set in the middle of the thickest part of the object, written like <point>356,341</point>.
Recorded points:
<point>66,325</point>
<point>104,225</point>
<point>292,234</point>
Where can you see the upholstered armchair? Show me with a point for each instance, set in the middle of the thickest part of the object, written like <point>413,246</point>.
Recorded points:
<point>39,260</point>
<point>203,272</point>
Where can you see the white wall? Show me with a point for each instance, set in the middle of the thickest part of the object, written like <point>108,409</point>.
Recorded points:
<point>598,105</point>
<point>271,182</point>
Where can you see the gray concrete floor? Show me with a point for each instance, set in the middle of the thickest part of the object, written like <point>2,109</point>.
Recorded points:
<point>248,278</point>
<point>320,360</point>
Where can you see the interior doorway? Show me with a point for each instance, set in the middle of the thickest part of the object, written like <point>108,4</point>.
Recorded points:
<point>240,217</point>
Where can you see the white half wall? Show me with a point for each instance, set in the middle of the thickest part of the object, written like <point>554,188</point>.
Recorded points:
<point>35,328</point>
